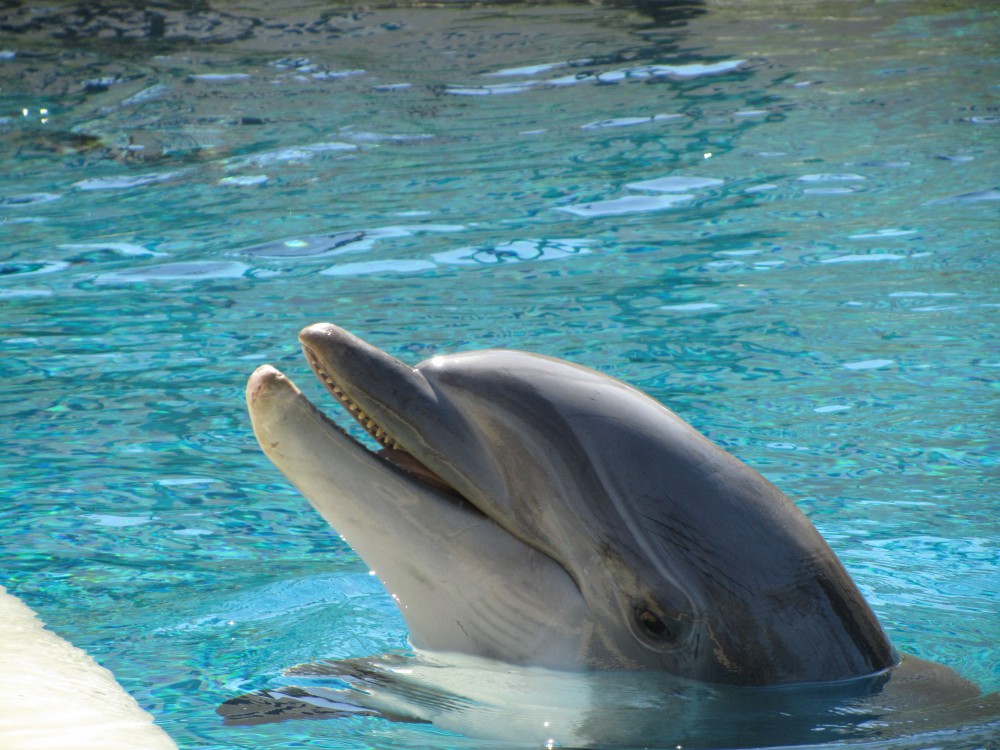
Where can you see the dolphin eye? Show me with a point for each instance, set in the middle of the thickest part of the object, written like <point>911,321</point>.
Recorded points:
<point>651,624</point>
<point>659,629</point>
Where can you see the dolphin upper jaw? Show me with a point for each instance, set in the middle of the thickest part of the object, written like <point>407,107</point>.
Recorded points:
<point>394,402</point>
<point>352,370</point>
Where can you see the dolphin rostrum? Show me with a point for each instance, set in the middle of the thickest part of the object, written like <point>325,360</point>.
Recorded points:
<point>537,512</point>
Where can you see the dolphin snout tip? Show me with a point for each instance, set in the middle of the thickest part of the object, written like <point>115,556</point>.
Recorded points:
<point>328,337</point>
<point>260,379</point>
<point>318,331</point>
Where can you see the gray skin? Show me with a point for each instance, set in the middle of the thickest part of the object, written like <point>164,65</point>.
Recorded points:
<point>540,513</point>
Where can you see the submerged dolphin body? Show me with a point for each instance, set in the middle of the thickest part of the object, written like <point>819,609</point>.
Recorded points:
<point>535,512</point>
<point>577,563</point>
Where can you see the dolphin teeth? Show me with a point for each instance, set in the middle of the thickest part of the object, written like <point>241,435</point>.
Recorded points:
<point>397,454</point>
<point>370,425</point>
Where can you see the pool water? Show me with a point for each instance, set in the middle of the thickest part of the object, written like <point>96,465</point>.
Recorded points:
<point>779,219</point>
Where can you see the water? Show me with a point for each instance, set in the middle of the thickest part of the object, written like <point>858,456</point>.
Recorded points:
<point>184,190</point>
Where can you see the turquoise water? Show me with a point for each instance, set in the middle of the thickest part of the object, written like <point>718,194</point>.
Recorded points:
<point>184,190</point>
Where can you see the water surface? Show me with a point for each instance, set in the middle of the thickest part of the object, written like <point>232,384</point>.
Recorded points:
<point>780,220</point>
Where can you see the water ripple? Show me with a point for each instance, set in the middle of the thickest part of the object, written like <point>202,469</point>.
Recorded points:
<point>637,73</point>
<point>183,271</point>
<point>626,205</point>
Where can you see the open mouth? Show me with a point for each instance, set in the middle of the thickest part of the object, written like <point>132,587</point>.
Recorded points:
<point>393,452</point>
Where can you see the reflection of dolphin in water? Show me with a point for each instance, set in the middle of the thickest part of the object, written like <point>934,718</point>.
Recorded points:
<point>534,512</point>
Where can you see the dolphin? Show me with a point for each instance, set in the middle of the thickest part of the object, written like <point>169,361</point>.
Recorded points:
<point>535,512</point>
<point>576,563</point>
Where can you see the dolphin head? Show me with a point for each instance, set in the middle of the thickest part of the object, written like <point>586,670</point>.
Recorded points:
<point>610,530</point>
